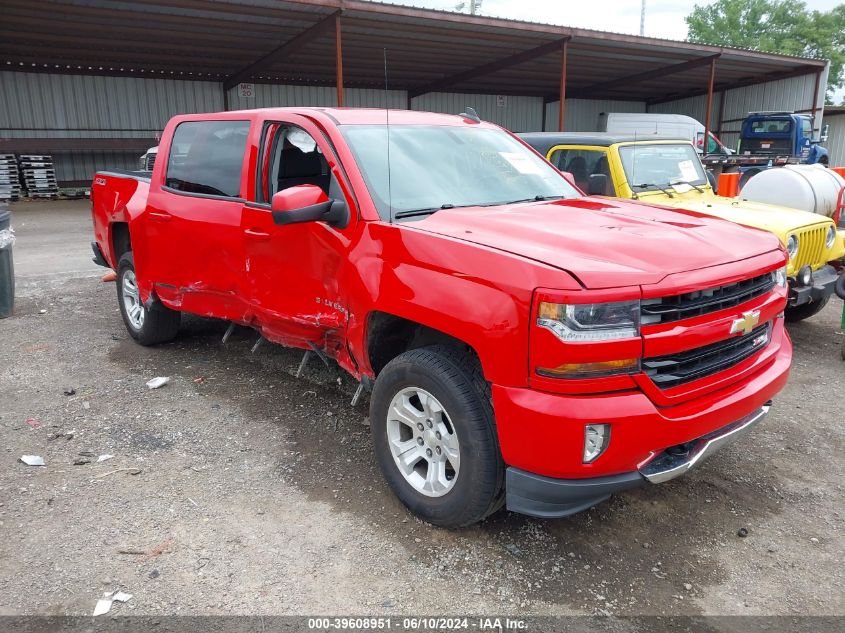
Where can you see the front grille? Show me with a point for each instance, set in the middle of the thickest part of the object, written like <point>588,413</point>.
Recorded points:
<point>692,304</point>
<point>677,369</point>
<point>810,247</point>
<point>150,162</point>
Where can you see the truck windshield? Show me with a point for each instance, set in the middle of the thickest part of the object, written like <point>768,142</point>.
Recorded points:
<point>444,167</point>
<point>660,166</point>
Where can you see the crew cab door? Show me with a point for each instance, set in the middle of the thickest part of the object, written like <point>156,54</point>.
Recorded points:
<point>295,272</point>
<point>192,234</point>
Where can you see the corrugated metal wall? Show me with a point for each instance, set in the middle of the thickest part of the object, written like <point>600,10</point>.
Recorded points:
<point>582,115</point>
<point>795,94</point>
<point>520,114</point>
<point>42,105</point>
<point>50,106</point>
<point>836,140</point>
<point>274,96</point>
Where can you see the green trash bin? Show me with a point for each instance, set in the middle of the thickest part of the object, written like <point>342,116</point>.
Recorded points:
<point>7,267</point>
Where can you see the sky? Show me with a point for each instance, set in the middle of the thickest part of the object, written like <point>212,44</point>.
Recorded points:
<point>664,18</point>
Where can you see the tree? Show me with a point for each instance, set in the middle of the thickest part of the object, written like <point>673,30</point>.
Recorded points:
<point>775,26</point>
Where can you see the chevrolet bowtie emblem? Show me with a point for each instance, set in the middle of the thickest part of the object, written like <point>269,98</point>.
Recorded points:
<point>747,322</point>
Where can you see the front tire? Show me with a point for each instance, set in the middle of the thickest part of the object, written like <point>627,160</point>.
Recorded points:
<point>434,436</point>
<point>794,314</point>
<point>147,325</point>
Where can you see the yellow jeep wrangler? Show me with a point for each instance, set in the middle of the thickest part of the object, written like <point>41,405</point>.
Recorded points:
<point>668,172</point>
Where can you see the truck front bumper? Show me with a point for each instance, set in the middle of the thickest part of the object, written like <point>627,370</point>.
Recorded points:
<point>541,435</point>
<point>822,286</point>
<point>547,497</point>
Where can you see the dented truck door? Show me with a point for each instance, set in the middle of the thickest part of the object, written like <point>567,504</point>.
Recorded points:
<point>294,272</point>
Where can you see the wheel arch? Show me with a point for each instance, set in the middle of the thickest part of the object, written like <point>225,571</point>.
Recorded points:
<point>120,241</point>
<point>389,335</point>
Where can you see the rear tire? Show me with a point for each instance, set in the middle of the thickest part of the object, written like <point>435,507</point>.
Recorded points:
<point>147,325</point>
<point>434,436</point>
<point>794,314</point>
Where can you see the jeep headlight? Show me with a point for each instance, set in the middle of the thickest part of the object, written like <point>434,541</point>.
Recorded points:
<point>792,246</point>
<point>590,321</point>
<point>831,236</point>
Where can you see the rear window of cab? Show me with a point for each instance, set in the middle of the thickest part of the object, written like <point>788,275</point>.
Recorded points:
<point>781,126</point>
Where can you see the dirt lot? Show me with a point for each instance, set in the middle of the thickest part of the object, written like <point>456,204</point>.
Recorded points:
<point>258,492</point>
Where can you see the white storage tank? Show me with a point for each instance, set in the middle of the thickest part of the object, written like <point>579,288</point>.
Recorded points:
<point>808,187</point>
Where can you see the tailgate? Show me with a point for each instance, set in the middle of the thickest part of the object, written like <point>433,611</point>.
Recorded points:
<point>116,197</point>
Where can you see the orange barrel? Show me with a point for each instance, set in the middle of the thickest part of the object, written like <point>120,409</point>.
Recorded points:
<point>729,184</point>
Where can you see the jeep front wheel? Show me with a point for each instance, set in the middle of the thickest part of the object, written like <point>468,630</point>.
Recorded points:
<point>794,314</point>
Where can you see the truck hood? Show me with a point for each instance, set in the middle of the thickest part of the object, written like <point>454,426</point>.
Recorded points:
<point>604,243</point>
<point>773,218</point>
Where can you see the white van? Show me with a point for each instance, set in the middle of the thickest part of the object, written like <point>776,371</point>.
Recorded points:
<point>648,124</point>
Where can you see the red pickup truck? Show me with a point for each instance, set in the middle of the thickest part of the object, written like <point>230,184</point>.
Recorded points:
<point>524,345</point>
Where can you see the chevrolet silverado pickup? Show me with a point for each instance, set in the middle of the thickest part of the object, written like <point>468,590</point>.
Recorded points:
<point>523,345</point>
<point>668,172</point>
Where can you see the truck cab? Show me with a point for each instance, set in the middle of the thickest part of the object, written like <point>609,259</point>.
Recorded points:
<point>668,172</point>
<point>781,134</point>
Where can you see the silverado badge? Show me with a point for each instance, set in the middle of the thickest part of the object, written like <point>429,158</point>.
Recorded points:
<point>746,322</point>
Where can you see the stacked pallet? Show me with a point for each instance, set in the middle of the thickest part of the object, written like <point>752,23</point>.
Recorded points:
<point>10,185</point>
<point>38,175</point>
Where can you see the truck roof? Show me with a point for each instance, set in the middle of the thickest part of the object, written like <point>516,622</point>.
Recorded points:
<point>544,141</point>
<point>348,116</point>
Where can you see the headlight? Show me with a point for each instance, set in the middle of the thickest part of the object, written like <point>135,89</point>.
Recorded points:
<point>831,236</point>
<point>792,247</point>
<point>591,321</point>
<point>779,277</point>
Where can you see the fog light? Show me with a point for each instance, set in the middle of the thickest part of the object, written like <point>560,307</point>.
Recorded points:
<point>596,439</point>
<point>805,276</point>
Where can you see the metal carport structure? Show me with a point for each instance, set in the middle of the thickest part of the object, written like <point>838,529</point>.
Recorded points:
<point>341,45</point>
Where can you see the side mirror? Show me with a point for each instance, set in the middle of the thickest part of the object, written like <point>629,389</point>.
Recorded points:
<point>307,203</point>
<point>596,185</point>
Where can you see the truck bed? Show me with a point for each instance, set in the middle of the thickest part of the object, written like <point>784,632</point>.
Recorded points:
<point>747,160</point>
<point>117,196</point>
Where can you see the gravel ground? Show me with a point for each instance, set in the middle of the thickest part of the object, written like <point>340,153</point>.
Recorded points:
<point>239,489</point>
